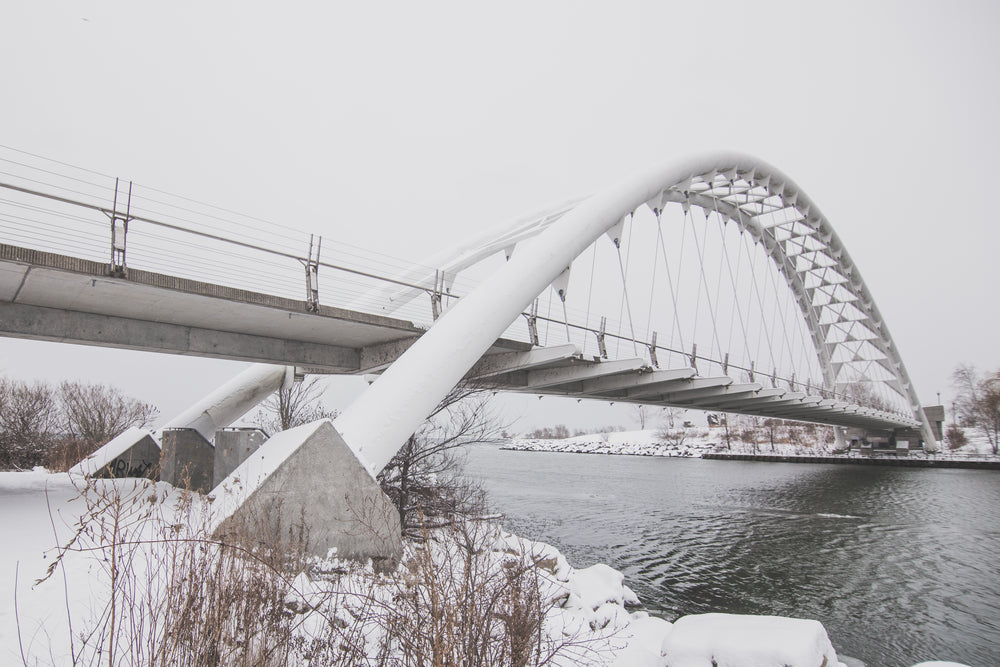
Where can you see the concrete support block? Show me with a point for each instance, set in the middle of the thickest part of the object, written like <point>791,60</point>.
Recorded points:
<point>232,447</point>
<point>134,453</point>
<point>307,481</point>
<point>187,459</point>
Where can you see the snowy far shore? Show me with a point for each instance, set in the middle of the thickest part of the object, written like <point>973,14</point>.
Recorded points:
<point>592,614</point>
<point>693,442</point>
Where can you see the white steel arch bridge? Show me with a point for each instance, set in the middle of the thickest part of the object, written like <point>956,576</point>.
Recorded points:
<point>863,380</point>
<point>712,282</point>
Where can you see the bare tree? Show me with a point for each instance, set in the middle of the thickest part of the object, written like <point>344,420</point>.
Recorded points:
<point>422,478</point>
<point>673,437</point>
<point>96,413</point>
<point>671,413</point>
<point>769,424</point>
<point>978,400</point>
<point>557,432</point>
<point>28,423</point>
<point>863,393</point>
<point>750,430</point>
<point>642,414</point>
<point>294,406</point>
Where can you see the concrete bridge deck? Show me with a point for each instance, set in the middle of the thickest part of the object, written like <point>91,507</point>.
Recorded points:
<point>46,296</point>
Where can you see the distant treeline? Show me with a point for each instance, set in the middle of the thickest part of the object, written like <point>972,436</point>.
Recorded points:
<point>56,426</point>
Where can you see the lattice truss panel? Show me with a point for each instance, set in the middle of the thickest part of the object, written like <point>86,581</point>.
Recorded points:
<point>848,333</point>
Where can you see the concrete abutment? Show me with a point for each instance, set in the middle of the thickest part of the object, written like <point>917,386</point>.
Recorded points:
<point>307,481</point>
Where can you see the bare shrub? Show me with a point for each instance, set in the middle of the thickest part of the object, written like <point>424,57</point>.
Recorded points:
<point>90,415</point>
<point>462,604</point>
<point>955,437</point>
<point>673,437</point>
<point>58,428</point>
<point>175,595</point>
<point>65,452</point>
<point>28,423</point>
<point>297,405</point>
<point>557,432</point>
<point>98,412</point>
<point>424,477</point>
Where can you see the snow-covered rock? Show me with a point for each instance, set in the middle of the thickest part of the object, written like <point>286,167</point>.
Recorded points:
<point>730,640</point>
<point>684,443</point>
<point>591,587</point>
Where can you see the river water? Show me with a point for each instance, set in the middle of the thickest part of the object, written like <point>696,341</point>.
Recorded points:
<point>900,565</point>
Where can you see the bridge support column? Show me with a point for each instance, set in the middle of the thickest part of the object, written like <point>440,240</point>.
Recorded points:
<point>187,459</point>
<point>233,399</point>
<point>840,438</point>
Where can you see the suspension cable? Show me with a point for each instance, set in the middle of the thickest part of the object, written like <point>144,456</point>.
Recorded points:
<point>673,292</point>
<point>590,292</point>
<point>652,281</point>
<point>625,301</point>
<point>734,280</point>
<point>704,280</point>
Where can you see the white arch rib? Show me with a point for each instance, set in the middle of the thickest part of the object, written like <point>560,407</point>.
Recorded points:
<point>382,418</point>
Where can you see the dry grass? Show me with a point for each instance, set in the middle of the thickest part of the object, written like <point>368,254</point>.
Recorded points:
<point>172,594</point>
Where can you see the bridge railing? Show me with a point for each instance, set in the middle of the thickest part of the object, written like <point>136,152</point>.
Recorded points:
<point>60,208</point>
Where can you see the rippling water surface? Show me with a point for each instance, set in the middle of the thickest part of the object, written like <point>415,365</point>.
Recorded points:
<point>900,564</point>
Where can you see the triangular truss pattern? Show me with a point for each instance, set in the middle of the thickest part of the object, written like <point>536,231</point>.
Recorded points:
<point>854,349</point>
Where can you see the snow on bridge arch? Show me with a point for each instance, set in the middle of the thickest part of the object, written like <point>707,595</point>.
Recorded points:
<point>854,353</point>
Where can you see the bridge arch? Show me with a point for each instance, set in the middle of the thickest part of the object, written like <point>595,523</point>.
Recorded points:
<point>834,301</point>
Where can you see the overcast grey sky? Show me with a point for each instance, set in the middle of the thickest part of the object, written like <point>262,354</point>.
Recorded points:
<point>406,126</point>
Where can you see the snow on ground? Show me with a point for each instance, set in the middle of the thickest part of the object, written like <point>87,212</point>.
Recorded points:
<point>689,442</point>
<point>684,442</point>
<point>592,612</point>
<point>978,444</point>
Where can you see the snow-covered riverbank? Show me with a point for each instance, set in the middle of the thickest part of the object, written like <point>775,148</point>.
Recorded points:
<point>687,443</point>
<point>591,618</point>
<point>695,442</point>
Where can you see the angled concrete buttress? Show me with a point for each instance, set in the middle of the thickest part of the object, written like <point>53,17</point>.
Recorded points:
<point>137,452</point>
<point>134,453</point>
<point>307,481</point>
